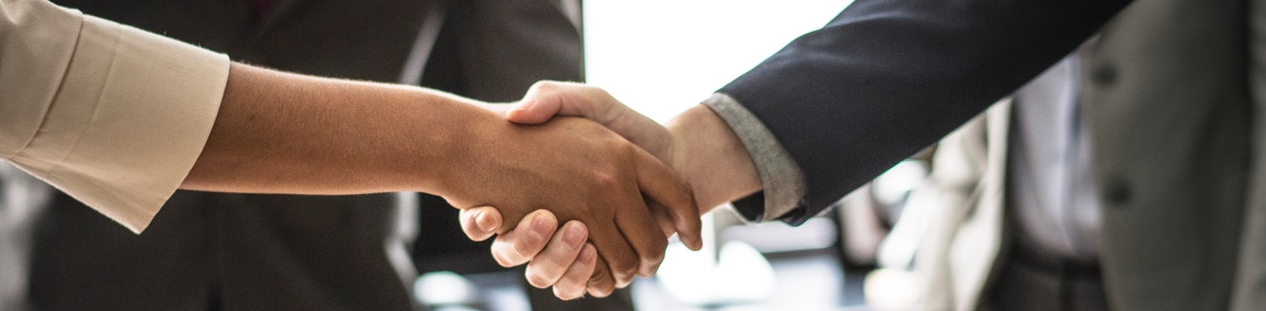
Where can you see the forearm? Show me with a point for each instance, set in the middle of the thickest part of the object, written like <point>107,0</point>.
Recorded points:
<point>712,159</point>
<point>286,133</point>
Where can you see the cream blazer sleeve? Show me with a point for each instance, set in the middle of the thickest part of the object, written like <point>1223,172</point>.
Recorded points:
<point>110,114</point>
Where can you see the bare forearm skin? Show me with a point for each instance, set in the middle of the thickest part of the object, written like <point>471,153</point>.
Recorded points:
<point>712,159</point>
<point>285,133</point>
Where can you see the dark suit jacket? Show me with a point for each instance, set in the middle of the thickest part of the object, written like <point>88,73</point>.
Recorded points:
<point>887,78</point>
<point>208,251</point>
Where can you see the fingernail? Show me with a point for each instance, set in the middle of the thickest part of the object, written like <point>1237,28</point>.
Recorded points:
<point>588,255</point>
<point>538,222</point>
<point>572,235</point>
<point>484,222</point>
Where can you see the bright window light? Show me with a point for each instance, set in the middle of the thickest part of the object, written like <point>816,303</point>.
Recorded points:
<point>663,56</point>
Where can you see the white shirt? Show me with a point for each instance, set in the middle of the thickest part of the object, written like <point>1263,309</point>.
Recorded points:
<point>1052,191</point>
<point>112,115</point>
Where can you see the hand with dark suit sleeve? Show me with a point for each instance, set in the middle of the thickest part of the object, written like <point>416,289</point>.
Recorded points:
<point>885,79</point>
<point>697,144</point>
<point>881,81</point>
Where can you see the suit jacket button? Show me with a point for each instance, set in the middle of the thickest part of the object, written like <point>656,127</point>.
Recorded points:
<point>1116,192</point>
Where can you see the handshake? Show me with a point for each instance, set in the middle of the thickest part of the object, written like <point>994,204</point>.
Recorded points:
<point>611,176</point>
<point>619,183</point>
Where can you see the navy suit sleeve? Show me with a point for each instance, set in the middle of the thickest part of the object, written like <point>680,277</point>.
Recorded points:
<point>887,78</point>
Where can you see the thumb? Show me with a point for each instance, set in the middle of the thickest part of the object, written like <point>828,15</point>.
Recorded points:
<point>542,101</point>
<point>549,98</point>
<point>480,223</point>
<point>533,110</point>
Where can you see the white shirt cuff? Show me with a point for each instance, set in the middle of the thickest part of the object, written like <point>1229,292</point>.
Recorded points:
<point>129,119</point>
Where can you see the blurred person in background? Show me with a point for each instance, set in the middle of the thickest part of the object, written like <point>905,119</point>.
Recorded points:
<point>1120,178</point>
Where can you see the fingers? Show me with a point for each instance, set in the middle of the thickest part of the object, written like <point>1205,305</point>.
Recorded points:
<point>520,245</point>
<point>662,185</point>
<point>622,260</point>
<point>547,267</point>
<point>573,283</point>
<point>601,283</point>
<point>643,233</point>
<point>663,217</point>
<point>480,223</point>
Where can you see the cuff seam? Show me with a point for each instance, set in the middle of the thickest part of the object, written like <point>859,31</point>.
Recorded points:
<point>782,180</point>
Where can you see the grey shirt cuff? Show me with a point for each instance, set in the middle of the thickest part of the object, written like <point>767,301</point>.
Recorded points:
<point>782,181</point>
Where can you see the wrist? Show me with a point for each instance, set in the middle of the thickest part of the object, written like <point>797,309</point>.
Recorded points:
<point>462,135</point>
<point>711,158</point>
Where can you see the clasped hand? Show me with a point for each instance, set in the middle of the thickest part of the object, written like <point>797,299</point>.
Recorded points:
<point>619,197</point>
<point>698,145</point>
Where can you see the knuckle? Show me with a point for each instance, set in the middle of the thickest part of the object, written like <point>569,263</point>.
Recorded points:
<point>537,280</point>
<point>546,269</point>
<point>599,277</point>
<point>504,260</point>
<point>522,251</point>
<point>625,268</point>
<point>602,291</point>
<point>527,247</point>
<point>606,181</point>
<point>602,93</point>
<point>501,260</point>
<point>558,263</point>
<point>562,293</point>
<point>505,256</point>
<point>570,296</point>
<point>473,232</point>
<point>684,197</point>
<point>656,254</point>
<point>573,283</point>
